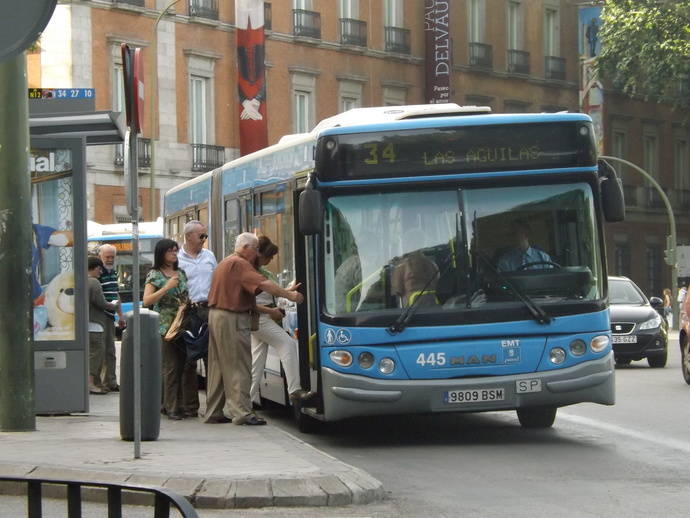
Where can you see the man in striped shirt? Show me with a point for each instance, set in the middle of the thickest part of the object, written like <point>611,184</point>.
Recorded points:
<point>108,280</point>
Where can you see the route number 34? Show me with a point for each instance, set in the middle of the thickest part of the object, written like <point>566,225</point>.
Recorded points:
<point>432,359</point>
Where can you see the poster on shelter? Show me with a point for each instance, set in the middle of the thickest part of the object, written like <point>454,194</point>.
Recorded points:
<point>52,256</point>
<point>591,90</point>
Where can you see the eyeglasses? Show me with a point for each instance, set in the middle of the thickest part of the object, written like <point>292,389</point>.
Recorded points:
<point>203,236</point>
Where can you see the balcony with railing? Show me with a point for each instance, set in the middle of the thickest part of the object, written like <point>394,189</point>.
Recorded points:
<point>306,23</point>
<point>206,157</point>
<point>630,195</point>
<point>204,9</point>
<point>683,199</point>
<point>481,55</point>
<point>143,153</point>
<point>554,68</point>
<point>397,40</point>
<point>353,32</point>
<point>518,61</point>
<point>268,16</point>
<point>653,198</point>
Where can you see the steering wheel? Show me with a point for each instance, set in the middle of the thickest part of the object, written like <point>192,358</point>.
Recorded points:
<point>535,263</point>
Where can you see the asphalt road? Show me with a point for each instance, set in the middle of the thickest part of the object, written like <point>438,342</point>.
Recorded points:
<point>627,460</point>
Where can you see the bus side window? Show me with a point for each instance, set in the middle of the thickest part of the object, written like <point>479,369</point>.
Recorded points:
<point>233,224</point>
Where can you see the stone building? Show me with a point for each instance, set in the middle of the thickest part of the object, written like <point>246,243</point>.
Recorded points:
<point>326,56</point>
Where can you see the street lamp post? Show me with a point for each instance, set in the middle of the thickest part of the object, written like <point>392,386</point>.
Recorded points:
<point>152,104</point>
<point>671,239</point>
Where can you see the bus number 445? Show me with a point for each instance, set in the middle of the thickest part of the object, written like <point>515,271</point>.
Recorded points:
<point>432,359</point>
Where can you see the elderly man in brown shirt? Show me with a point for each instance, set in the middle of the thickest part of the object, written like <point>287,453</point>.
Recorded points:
<point>231,298</point>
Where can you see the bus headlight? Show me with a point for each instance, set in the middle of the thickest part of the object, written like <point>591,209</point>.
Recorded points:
<point>386,365</point>
<point>342,358</point>
<point>599,343</point>
<point>366,360</point>
<point>578,348</point>
<point>557,355</point>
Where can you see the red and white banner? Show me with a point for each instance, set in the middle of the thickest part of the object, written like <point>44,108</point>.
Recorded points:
<point>251,75</point>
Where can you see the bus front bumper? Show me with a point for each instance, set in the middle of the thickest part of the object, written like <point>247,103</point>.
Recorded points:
<point>347,395</point>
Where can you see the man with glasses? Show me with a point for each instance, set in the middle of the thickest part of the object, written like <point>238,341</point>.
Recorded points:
<point>198,263</point>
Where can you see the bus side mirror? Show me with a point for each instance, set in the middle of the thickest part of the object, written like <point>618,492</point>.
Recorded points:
<point>612,199</point>
<point>310,211</point>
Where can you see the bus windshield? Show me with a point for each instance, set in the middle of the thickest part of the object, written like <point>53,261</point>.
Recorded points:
<point>450,250</point>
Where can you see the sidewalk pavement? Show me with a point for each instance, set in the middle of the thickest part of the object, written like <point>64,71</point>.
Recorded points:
<point>213,465</point>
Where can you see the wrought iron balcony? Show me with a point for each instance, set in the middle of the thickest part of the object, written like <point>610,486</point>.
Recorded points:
<point>653,199</point>
<point>518,61</point>
<point>353,32</point>
<point>204,9</point>
<point>306,23</point>
<point>554,67</point>
<point>143,153</point>
<point>630,195</point>
<point>481,55</point>
<point>397,40</point>
<point>268,16</point>
<point>138,3</point>
<point>206,157</point>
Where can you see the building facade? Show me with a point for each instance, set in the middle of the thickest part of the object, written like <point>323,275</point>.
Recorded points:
<point>326,56</point>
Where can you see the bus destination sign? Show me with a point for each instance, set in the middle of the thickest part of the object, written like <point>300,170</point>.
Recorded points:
<point>464,149</point>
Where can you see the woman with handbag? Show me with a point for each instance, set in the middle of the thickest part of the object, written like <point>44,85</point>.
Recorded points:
<point>166,292</point>
<point>270,332</point>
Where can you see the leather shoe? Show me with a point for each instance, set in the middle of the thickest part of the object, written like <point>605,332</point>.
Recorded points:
<point>191,413</point>
<point>302,396</point>
<point>218,420</point>
<point>114,388</point>
<point>175,417</point>
<point>252,420</point>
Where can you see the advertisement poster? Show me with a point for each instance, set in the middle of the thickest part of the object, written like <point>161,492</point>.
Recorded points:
<point>251,75</point>
<point>438,50</point>
<point>52,255</point>
<point>591,91</point>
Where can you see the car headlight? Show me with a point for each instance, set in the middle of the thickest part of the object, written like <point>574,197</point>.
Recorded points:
<point>652,323</point>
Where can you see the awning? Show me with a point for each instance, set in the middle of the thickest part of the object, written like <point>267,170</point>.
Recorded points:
<point>98,127</point>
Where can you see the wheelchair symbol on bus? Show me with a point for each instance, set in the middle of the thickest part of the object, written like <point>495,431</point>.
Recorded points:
<point>341,336</point>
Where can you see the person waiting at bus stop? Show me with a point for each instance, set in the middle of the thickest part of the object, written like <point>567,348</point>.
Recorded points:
<point>271,333</point>
<point>231,302</point>
<point>166,290</point>
<point>523,255</point>
<point>111,291</point>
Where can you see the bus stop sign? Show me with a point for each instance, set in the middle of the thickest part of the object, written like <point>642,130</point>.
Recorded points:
<point>22,24</point>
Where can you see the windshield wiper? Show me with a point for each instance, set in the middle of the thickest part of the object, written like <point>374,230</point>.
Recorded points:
<point>406,314</point>
<point>535,309</point>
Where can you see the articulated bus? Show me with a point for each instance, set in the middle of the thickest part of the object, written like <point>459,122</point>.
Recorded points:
<point>402,224</point>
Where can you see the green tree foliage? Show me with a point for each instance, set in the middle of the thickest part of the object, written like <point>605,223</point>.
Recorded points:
<point>645,48</point>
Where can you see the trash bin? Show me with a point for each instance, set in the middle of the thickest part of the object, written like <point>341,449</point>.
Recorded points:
<point>150,377</point>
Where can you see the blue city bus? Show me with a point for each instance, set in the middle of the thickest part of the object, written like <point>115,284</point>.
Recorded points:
<point>400,223</point>
<point>120,236</point>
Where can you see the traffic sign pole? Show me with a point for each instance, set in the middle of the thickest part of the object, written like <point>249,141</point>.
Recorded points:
<point>17,397</point>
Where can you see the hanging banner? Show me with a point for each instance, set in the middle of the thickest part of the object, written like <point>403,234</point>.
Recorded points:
<point>437,63</point>
<point>251,76</point>
<point>591,90</point>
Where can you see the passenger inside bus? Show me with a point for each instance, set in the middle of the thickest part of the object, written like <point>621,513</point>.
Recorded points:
<point>414,276</point>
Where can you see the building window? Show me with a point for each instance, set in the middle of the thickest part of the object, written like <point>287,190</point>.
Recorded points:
<point>513,106</point>
<point>118,105</point>
<point>475,21</point>
<point>514,25</point>
<point>348,9</point>
<point>350,95</point>
<point>681,163</point>
<point>551,32</point>
<point>301,4</point>
<point>393,13</point>
<point>198,109</point>
<point>619,148</point>
<point>622,259</point>
<point>303,86</point>
<point>393,96</point>
<point>650,151</point>
<point>653,270</point>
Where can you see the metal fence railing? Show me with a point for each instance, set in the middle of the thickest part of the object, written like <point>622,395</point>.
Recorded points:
<point>163,499</point>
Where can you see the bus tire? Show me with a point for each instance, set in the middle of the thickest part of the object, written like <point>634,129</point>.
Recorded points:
<point>305,423</point>
<point>537,417</point>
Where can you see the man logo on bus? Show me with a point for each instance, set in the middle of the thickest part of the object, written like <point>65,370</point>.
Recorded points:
<point>330,336</point>
<point>343,336</point>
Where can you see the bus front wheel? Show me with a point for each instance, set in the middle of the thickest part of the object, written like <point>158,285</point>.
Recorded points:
<point>305,423</point>
<point>537,417</point>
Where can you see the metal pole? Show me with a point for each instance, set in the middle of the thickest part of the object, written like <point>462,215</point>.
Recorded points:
<point>671,245</point>
<point>152,107</point>
<point>17,398</point>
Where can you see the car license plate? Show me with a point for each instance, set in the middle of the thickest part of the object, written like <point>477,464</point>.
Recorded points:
<point>624,339</point>
<point>474,395</point>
